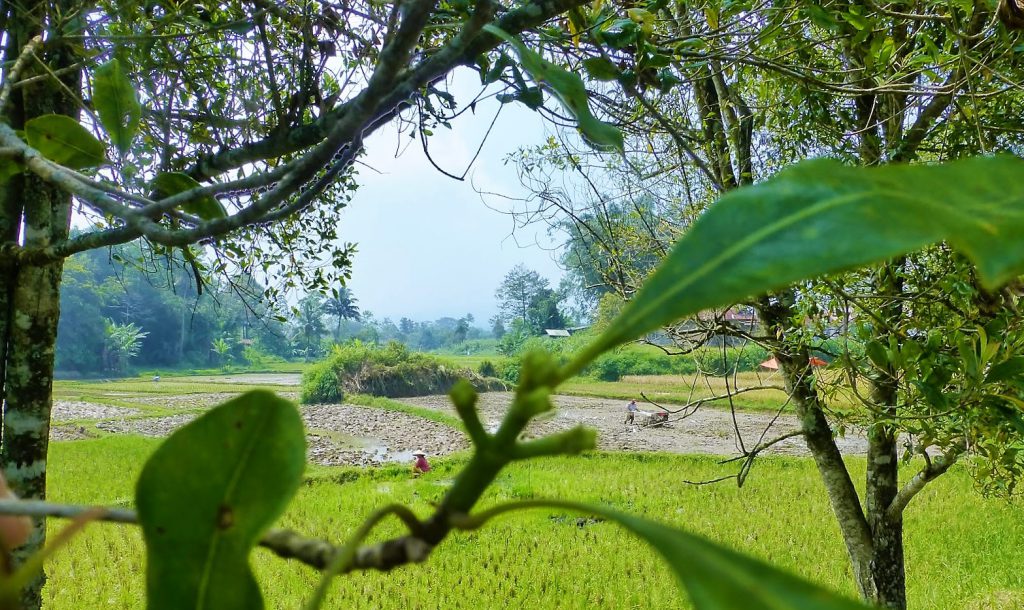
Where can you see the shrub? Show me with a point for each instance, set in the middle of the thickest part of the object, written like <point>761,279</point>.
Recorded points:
<point>487,369</point>
<point>392,371</point>
<point>320,384</point>
<point>508,370</point>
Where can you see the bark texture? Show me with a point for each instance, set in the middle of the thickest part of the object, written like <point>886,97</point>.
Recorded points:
<point>882,484</point>
<point>32,213</point>
<point>842,495</point>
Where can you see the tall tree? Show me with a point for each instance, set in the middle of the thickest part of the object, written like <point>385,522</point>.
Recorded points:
<point>722,95</point>
<point>249,136</point>
<point>341,306</point>
<point>518,293</point>
<point>309,324</point>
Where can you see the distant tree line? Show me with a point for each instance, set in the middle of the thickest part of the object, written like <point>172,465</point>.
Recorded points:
<point>347,323</point>
<point>129,307</point>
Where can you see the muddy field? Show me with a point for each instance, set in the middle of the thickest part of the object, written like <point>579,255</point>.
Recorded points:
<point>707,431</point>
<point>356,435</point>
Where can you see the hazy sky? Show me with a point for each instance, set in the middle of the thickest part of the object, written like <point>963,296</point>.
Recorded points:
<point>429,246</point>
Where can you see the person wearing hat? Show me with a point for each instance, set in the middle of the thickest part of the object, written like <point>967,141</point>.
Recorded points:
<point>420,465</point>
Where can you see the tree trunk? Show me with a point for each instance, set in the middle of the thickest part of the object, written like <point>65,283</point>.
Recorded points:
<point>842,495</point>
<point>874,539</point>
<point>882,484</point>
<point>888,570</point>
<point>29,383</point>
<point>31,293</point>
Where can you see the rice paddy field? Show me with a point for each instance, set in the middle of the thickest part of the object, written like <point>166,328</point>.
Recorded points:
<point>963,550</point>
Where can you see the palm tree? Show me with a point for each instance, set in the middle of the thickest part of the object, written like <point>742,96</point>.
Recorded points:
<point>342,307</point>
<point>309,323</point>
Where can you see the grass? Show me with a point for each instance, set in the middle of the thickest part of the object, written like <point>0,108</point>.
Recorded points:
<point>684,389</point>
<point>963,551</point>
<point>680,389</point>
<point>388,404</point>
<point>471,362</point>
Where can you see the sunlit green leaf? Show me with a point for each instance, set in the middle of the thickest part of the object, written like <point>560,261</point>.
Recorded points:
<point>209,492</point>
<point>569,90</point>
<point>172,183</point>
<point>857,21</point>
<point>63,140</point>
<point>822,217</point>
<point>643,17</point>
<point>118,106</point>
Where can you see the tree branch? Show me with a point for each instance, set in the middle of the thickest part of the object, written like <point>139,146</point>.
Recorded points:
<point>12,76</point>
<point>461,50</point>
<point>929,473</point>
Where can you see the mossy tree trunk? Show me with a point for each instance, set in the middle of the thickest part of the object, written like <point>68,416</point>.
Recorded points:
<point>32,213</point>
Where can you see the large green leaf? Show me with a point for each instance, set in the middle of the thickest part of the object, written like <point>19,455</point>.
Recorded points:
<point>570,91</point>
<point>115,101</point>
<point>172,183</point>
<point>822,217</point>
<point>63,140</point>
<point>209,492</point>
<point>717,578</point>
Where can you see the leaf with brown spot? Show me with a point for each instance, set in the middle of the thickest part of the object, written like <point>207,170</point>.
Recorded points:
<point>207,495</point>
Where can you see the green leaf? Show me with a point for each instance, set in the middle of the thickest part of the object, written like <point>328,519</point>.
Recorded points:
<point>857,21</point>
<point>570,91</point>
<point>1012,368</point>
<point>600,68</point>
<point>209,492</point>
<point>878,355</point>
<point>1013,416</point>
<point>63,140</point>
<point>533,97</point>
<point>668,79</point>
<point>9,168</point>
<point>643,17</point>
<point>172,183</point>
<point>822,217</point>
<point>620,34</point>
<point>494,74</point>
<point>820,17</point>
<point>717,578</point>
<point>116,103</point>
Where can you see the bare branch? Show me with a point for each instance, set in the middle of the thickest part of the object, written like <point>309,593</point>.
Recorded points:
<point>26,54</point>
